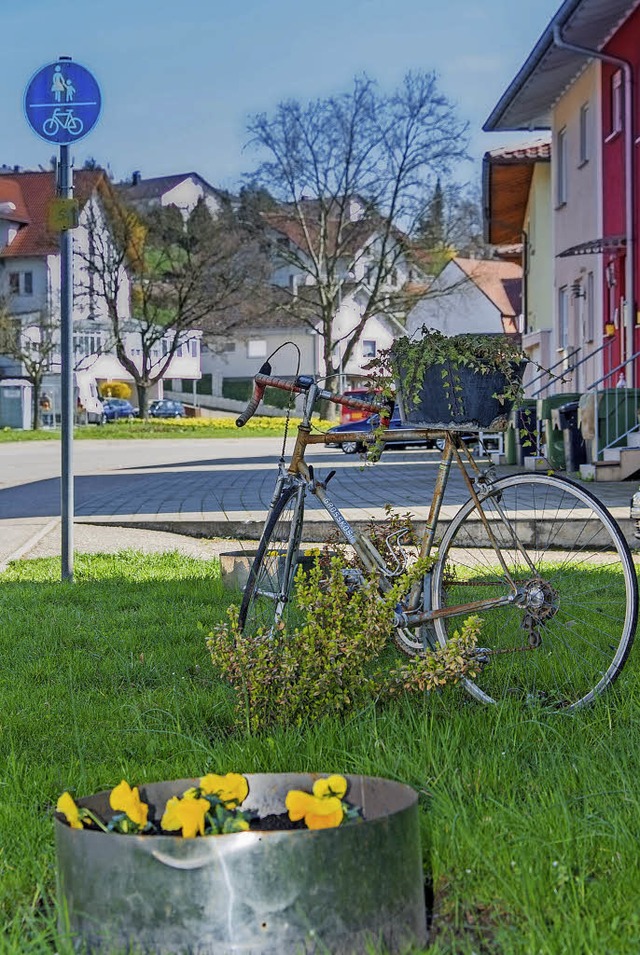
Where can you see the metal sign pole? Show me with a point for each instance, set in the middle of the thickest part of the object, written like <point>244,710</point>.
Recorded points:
<point>62,104</point>
<point>65,191</point>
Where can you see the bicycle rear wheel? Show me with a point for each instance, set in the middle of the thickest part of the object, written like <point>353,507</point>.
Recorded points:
<point>265,601</point>
<point>568,630</point>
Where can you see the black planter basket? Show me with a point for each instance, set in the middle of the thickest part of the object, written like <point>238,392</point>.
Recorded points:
<point>456,398</point>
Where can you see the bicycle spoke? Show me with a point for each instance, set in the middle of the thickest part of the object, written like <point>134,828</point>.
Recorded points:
<point>570,630</point>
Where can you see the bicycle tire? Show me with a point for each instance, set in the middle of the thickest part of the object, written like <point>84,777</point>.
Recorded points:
<point>266,595</point>
<point>579,597</point>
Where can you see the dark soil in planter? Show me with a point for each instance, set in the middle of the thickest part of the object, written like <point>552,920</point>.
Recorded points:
<point>275,822</point>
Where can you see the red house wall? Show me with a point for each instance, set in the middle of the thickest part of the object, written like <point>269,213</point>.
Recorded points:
<point>625,44</point>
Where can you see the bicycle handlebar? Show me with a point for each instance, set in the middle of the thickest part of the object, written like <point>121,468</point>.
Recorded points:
<point>264,380</point>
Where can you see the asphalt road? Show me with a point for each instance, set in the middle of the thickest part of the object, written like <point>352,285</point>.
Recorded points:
<point>216,488</point>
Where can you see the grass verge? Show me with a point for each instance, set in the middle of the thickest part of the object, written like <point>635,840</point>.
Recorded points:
<point>530,821</point>
<point>258,427</point>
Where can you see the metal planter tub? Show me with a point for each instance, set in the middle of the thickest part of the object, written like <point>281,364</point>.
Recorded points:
<point>454,397</point>
<point>286,892</point>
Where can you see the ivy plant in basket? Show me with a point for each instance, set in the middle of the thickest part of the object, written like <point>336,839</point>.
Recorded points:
<point>450,382</point>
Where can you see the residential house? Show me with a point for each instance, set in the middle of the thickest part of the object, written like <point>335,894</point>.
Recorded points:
<point>183,190</point>
<point>578,83</point>
<point>516,186</point>
<point>30,280</point>
<point>566,86</point>
<point>471,296</point>
<point>234,359</point>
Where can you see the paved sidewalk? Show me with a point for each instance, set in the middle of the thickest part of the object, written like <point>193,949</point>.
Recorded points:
<point>160,495</point>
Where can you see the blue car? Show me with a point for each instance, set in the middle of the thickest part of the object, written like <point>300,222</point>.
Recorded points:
<point>115,408</point>
<point>367,426</point>
<point>166,408</point>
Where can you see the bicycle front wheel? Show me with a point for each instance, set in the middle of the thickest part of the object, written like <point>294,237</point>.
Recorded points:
<point>265,601</point>
<point>567,570</point>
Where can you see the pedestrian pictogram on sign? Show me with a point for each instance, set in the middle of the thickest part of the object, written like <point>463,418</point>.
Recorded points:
<point>62,102</point>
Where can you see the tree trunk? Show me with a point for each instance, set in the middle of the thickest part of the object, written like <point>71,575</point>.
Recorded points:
<point>35,405</point>
<point>143,405</point>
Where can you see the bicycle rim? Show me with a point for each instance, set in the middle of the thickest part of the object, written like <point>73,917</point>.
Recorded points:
<point>568,633</point>
<point>265,601</point>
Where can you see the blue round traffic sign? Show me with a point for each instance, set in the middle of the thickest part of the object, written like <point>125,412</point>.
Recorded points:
<point>62,102</point>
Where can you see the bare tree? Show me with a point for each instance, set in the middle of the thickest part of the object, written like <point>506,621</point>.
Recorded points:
<point>382,152</point>
<point>161,276</point>
<point>33,341</point>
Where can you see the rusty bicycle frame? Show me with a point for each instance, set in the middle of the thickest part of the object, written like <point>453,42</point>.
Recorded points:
<point>301,475</point>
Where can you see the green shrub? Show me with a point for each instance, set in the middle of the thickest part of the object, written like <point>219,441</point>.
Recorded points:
<point>115,389</point>
<point>329,664</point>
<point>241,389</point>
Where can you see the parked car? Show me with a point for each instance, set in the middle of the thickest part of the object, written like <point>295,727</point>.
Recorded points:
<point>114,408</point>
<point>362,394</point>
<point>367,426</point>
<point>490,441</point>
<point>165,408</point>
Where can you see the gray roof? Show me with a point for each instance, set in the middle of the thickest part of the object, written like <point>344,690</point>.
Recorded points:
<point>158,186</point>
<point>550,70</point>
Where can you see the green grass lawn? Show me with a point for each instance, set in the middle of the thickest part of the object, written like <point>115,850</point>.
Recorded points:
<point>530,821</point>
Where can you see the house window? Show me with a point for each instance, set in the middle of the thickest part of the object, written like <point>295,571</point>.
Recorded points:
<point>87,344</point>
<point>584,134</point>
<point>194,347</point>
<point>563,317</point>
<point>229,346</point>
<point>616,102</point>
<point>256,348</point>
<point>590,321</point>
<point>561,181</point>
<point>368,349</point>
<point>21,283</point>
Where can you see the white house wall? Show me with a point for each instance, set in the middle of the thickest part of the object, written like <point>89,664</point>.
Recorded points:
<point>461,308</point>
<point>241,357</point>
<point>21,304</point>
<point>579,220</point>
<point>186,196</point>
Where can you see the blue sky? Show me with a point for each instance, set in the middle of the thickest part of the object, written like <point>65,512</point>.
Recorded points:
<point>180,77</point>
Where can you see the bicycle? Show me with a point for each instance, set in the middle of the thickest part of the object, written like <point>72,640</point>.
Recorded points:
<point>62,119</point>
<point>537,556</point>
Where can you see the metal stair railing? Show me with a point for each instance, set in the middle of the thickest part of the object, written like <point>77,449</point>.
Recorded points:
<point>617,406</point>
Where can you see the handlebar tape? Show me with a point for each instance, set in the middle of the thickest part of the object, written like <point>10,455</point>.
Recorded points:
<point>256,398</point>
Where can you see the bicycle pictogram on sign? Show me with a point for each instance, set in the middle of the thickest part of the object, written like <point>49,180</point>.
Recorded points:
<point>62,102</point>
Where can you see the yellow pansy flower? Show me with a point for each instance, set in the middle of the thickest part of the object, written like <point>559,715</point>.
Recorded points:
<point>125,799</point>
<point>69,810</point>
<point>230,788</point>
<point>323,812</point>
<point>331,786</point>
<point>187,814</point>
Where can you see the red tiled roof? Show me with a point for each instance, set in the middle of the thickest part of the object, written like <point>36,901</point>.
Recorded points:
<point>35,190</point>
<point>536,150</point>
<point>10,192</point>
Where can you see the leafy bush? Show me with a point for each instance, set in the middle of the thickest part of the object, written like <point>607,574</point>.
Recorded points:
<point>241,389</point>
<point>115,389</point>
<point>329,664</point>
